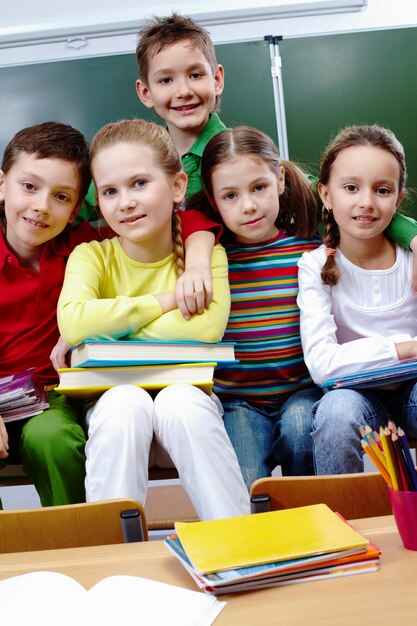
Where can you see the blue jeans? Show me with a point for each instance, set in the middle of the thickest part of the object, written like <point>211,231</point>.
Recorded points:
<point>338,415</point>
<point>264,437</point>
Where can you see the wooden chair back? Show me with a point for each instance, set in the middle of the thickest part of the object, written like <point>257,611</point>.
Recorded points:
<point>69,526</point>
<point>352,495</point>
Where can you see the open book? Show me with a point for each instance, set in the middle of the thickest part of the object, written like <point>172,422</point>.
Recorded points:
<point>406,370</point>
<point>95,353</point>
<point>50,598</point>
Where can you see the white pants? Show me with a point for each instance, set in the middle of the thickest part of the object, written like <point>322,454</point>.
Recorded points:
<point>188,424</point>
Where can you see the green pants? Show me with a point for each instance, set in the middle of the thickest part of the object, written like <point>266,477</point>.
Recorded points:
<point>51,449</point>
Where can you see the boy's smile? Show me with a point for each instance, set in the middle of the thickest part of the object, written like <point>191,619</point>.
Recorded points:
<point>41,196</point>
<point>182,89</point>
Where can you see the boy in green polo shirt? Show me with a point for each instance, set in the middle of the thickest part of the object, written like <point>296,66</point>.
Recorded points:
<point>180,78</point>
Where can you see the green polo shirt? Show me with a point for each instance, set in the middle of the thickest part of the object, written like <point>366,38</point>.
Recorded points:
<point>191,160</point>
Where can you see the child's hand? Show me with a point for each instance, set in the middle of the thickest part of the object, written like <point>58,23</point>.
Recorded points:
<point>413,247</point>
<point>194,290</point>
<point>406,349</point>
<point>4,440</point>
<point>59,353</point>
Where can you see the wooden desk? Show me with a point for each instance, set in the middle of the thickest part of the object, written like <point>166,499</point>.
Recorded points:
<point>384,597</point>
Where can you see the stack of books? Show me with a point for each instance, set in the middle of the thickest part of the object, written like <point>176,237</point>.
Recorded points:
<point>20,397</point>
<point>269,549</point>
<point>98,365</point>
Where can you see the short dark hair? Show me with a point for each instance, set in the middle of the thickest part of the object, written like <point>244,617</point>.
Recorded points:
<point>51,140</point>
<point>162,32</point>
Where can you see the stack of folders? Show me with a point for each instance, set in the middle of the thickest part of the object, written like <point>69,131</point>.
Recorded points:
<point>390,453</point>
<point>379,377</point>
<point>20,397</point>
<point>269,549</point>
<point>98,365</point>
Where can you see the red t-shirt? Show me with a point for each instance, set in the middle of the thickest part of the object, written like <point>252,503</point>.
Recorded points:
<point>28,299</point>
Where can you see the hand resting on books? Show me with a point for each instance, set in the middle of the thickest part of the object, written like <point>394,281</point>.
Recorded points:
<point>59,354</point>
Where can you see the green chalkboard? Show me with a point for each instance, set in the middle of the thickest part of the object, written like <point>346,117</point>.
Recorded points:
<point>335,80</point>
<point>88,93</point>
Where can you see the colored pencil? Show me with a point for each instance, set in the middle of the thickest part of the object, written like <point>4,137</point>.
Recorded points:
<point>407,456</point>
<point>375,448</point>
<point>367,431</point>
<point>376,462</point>
<point>389,457</point>
<point>402,466</point>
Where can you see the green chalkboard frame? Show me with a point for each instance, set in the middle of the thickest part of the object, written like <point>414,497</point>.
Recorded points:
<point>335,80</point>
<point>88,93</point>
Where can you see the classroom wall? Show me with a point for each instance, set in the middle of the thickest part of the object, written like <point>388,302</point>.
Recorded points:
<point>337,69</point>
<point>32,18</point>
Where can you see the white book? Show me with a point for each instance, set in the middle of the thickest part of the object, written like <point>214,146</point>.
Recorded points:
<point>92,381</point>
<point>96,353</point>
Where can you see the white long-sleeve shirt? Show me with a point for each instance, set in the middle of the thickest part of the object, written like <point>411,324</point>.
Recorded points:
<point>354,325</point>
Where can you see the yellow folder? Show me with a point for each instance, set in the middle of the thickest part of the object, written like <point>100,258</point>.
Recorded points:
<point>224,544</point>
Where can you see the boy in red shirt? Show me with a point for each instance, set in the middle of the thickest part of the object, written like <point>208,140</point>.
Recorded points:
<point>43,179</point>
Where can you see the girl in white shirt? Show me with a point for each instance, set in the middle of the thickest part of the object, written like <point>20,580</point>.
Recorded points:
<point>358,309</point>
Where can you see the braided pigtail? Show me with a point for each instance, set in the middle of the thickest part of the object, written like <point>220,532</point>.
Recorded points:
<point>330,272</point>
<point>178,245</point>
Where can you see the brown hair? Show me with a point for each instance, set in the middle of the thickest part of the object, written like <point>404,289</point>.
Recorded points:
<point>159,140</point>
<point>162,32</point>
<point>372,135</point>
<point>298,203</point>
<point>50,140</point>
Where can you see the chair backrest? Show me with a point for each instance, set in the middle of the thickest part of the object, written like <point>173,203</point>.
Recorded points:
<point>351,495</point>
<point>69,526</point>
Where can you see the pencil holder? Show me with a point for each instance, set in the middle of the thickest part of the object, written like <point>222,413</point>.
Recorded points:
<point>404,508</point>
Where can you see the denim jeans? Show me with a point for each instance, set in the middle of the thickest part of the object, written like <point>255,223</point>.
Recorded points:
<point>264,437</point>
<point>339,414</point>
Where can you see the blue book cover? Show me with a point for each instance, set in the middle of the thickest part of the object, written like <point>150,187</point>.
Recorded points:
<point>378,377</point>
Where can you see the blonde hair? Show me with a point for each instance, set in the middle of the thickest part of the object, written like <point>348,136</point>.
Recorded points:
<point>158,139</point>
<point>372,135</point>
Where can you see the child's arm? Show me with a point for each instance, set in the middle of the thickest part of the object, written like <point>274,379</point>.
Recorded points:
<point>323,355</point>
<point>403,230</point>
<point>194,290</point>
<point>210,325</point>
<point>82,311</point>
<point>4,440</point>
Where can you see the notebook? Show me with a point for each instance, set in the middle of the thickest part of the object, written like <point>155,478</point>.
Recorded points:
<point>236,542</point>
<point>405,370</point>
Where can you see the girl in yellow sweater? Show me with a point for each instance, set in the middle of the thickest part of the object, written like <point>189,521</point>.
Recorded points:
<point>125,288</point>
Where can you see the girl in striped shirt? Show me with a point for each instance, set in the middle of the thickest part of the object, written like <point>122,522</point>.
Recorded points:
<point>269,214</point>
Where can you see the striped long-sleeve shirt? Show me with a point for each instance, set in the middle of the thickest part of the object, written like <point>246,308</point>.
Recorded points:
<point>264,322</point>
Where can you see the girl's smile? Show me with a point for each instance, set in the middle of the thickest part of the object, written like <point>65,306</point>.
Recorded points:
<point>137,197</point>
<point>246,194</point>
